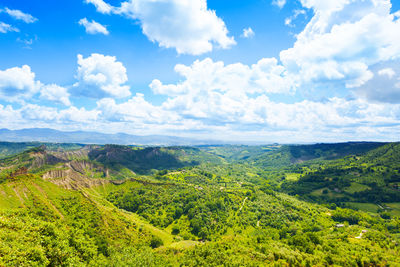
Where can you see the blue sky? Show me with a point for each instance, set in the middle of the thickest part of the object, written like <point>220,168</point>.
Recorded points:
<point>262,70</point>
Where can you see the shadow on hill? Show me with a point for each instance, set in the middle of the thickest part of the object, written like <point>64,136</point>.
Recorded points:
<point>138,160</point>
<point>300,153</point>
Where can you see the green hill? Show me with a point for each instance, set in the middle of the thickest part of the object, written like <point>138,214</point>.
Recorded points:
<point>372,177</point>
<point>207,206</point>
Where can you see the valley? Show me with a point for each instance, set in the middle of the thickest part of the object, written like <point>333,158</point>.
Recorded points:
<point>218,205</point>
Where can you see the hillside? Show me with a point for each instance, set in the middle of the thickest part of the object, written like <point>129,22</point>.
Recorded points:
<point>185,206</point>
<point>356,181</point>
<point>8,148</point>
<point>283,155</point>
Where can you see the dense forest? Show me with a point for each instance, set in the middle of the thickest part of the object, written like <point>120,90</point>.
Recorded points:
<point>273,205</point>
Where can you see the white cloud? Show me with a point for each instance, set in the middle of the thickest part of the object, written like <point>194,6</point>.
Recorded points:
<point>342,40</point>
<point>296,13</point>
<point>54,116</point>
<point>217,95</point>
<point>93,27</point>
<point>56,93</point>
<point>4,28</point>
<point>347,43</point>
<point>101,6</point>
<point>27,42</point>
<point>76,115</point>
<point>36,112</point>
<point>17,83</point>
<point>20,84</point>
<point>19,15</point>
<point>248,33</point>
<point>279,3</point>
<point>136,110</point>
<point>257,118</point>
<point>389,72</point>
<point>237,79</point>
<point>230,117</point>
<point>101,76</point>
<point>384,86</point>
<point>188,26</point>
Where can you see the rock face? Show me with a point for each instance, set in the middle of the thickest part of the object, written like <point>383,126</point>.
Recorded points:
<point>74,175</point>
<point>77,183</point>
<point>43,158</point>
<point>61,173</point>
<point>75,154</point>
<point>71,179</point>
<point>83,167</point>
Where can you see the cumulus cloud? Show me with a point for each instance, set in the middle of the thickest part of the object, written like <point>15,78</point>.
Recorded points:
<point>256,118</point>
<point>279,3</point>
<point>78,116</point>
<point>233,95</point>
<point>16,83</point>
<point>33,112</point>
<point>19,83</point>
<point>384,86</point>
<point>248,33</point>
<point>55,93</point>
<point>225,106</point>
<point>4,28</point>
<point>347,44</point>
<point>188,26</point>
<point>101,6</point>
<point>335,50</point>
<point>136,110</point>
<point>389,72</point>
<point>101,76</point>
<point>342,40</point>
<point>19,15</point>
<point>97,76</point>
<point>93,27</point>
<point>204,76</point>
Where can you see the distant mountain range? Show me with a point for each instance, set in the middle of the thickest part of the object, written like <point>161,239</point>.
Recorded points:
<point>51,135</point>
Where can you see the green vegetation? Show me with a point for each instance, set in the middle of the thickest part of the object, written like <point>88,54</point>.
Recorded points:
<point>372,177</point>
<point>315,205</point>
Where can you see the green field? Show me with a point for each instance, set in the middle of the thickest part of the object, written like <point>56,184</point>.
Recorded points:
<point>368,207</point>
<point>356,187</point>
<point>395,208</point>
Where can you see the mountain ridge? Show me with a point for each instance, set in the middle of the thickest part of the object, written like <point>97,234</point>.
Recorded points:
<point>83,137</point>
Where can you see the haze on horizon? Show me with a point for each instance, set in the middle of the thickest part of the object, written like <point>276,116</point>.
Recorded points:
<point>278,71</point>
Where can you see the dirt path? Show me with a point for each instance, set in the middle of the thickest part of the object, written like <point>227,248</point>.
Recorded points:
<point>244,201</point>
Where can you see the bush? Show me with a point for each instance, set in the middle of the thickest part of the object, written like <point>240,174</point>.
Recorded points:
<point>156,242</point>
<point>175,230</point>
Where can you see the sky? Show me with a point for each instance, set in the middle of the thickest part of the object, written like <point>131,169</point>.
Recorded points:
<point>287,71</point>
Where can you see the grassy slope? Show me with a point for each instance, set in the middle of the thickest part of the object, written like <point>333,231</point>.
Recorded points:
<point>82,214</point>
<point>261,226</point>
